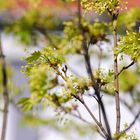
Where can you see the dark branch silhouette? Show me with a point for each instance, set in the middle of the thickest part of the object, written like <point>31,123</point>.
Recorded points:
<point>5,92</point>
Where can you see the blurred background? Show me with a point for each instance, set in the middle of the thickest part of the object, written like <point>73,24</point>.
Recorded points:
<point>18,42</point>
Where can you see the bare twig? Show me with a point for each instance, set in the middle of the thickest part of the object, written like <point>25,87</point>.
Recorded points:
<point>100,118</point>
<point>82,119</point>
<point>132,123</point>
<point>99,107</point>
<point>129,127</point>
<point>92,115</point>
<point>125,67</point>
<point>5,93</point>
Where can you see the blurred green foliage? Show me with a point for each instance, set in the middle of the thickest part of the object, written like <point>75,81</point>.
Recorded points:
<point>50,82</point>
<point>129,19</point>
<point>130,45</point>
<point>33,21</point>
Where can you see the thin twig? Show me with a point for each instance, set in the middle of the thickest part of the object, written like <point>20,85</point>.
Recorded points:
<point>98,123</point>
<point>129,107</point>
<point>132,123</point>
<point>129,127</point>
<point>99,107</point>
<point>125,67</point>
<point>82,119</point>
<point>92,115</point>
<point>100,56</point>
<point>5,93</point>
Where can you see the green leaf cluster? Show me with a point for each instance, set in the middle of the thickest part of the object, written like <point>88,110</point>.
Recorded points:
<point>128,80</point>
<point>130,45</point>
<point>73,37</point>
<point>106,79</point>
<point>129,19</point>
<point>33,21</point>
<point>45,69</point>
<point>100,6</point>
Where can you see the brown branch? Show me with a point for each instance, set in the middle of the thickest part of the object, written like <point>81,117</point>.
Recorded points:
<point>92,77</point>
<point>116,83</point>
<point>100,119</point>
<point>82,101</point>
<point>132,123</point>
<point>125,67</point>
<point>129,127</point>
<point>5,92</point>
<point>92,115</point>
<point>82,119</point>
<point>89,71</point>
<point>99,106</point>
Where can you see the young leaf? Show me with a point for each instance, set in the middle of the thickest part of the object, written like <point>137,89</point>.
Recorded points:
<point>33,57</point>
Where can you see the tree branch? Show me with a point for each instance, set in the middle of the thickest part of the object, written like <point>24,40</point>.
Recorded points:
<point>125,67</point>
<point>82,101</point>
<point>132,123</point>
<point>129,127</point>
<point>89,71</point>
<point>82,119</point>
<point>116,82</point>
<point>92,115</point>
<point>5,92</point>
